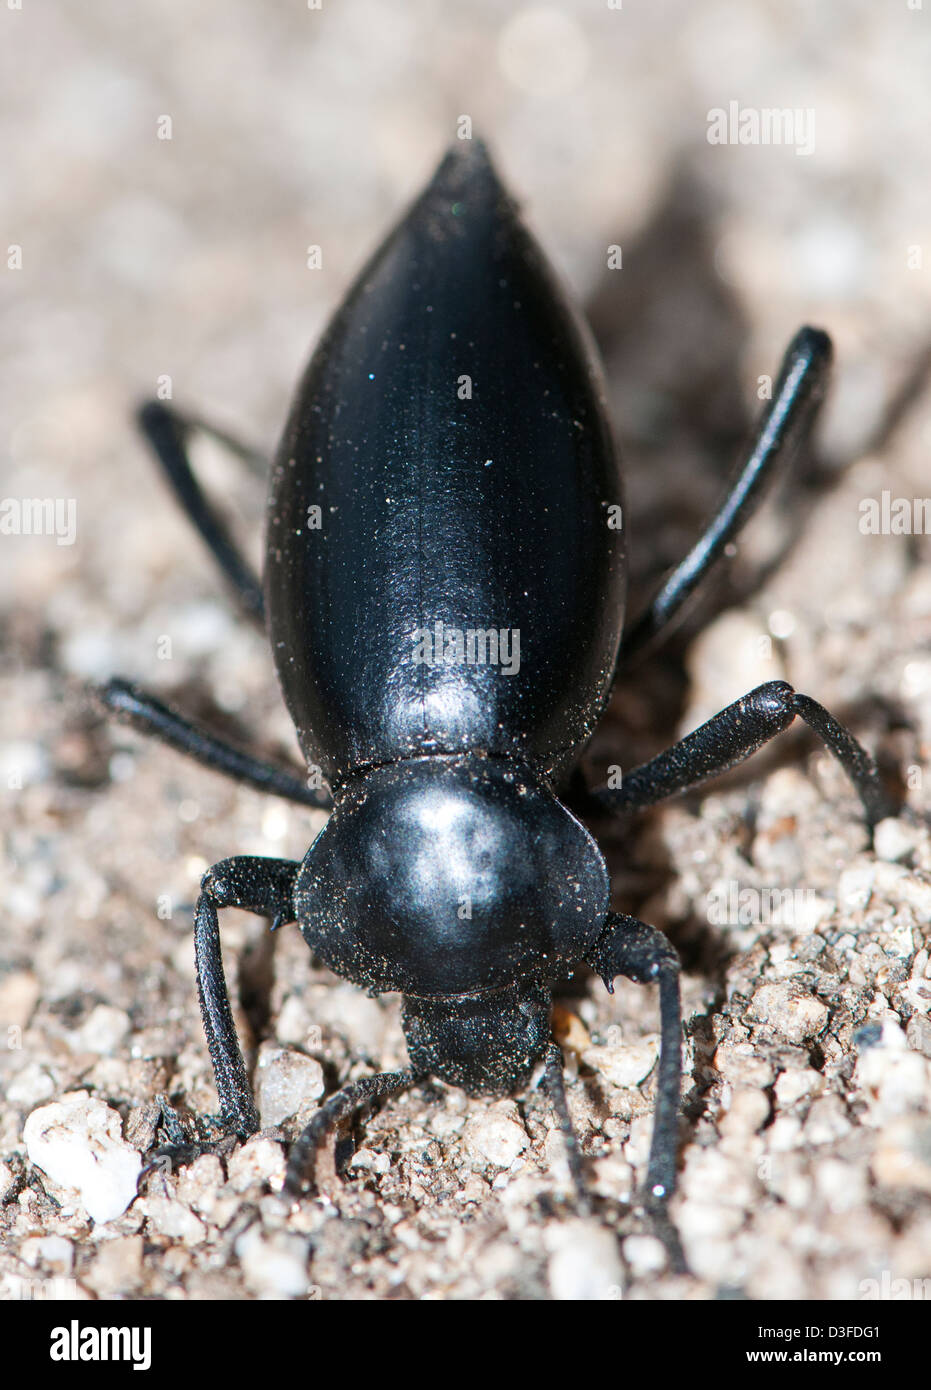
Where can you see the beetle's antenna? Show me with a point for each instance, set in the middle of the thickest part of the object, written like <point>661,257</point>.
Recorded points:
<point>337,1108</point>
<point>555,1085</point>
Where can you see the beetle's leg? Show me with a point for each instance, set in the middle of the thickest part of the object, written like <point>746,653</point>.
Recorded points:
<point>339,1107</point>
<point>642,953</point>
<point>257,462</point>
<point>733,735</point>
<point>263,886</point>
<point>167,432</point>
<point>144,712</point>
<point>786,421</point>
<point>555,1085</point>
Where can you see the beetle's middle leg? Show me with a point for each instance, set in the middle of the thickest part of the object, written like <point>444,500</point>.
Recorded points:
<point>143,711</point>
<point>730,737</point>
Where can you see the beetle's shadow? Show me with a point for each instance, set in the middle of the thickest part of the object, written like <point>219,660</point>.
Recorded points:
<point>673,337</point>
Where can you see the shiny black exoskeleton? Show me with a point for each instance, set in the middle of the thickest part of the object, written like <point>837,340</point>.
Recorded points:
<point>444,595</point>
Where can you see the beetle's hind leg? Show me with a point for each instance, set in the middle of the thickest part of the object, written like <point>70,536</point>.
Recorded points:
<point>642,953</point>
<point>143,711</point>
<point>783,426</point>
<point>167,433</point>
<point>339,1107</point>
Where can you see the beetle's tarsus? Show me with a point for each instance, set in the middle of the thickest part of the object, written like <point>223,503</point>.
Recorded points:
<point>185,1141</point>
<point>661,1224</point>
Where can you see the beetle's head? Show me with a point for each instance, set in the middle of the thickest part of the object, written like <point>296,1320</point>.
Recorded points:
<point>466,885</point>
<point>481,1042</point>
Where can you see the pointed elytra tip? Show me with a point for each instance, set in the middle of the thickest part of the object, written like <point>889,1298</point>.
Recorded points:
<point>472,147</point>
<point>467,164</point>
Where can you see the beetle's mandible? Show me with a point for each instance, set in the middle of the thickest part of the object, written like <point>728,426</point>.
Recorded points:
<point>444,595</point>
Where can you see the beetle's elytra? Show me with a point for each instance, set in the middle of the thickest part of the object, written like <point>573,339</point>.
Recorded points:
<point>444,595</point>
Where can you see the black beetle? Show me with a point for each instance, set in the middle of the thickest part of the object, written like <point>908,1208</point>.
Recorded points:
<point>444,592</point>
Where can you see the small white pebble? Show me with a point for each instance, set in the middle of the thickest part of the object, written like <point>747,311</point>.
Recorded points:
<point>19,994</point>
<point>793,1085</point>
<point>258,1161</point>
<point>285,1080</point>
<point>173,1219</point>
<point>78,1142</point>
<point>644,1254</point>
<point>747,1112</point>
<point>626,1064</point>
<point>827,1121</point>
<point>32,1085</point>
<point>894,839</point>
<point>798,1017</point>
<point>103,1031</point>
<point>54,1252</point>
<point>274,1266</point>
<point>116,1269</point>
<point>902,1157</point>
<point>371,1161</point>
<point>496,1136</point>
<point>7,1180</point>
<point>584,1264</point>
<point>855,886</point>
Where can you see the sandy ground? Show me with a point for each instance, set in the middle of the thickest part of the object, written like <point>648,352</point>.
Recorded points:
<point>806,1153</point>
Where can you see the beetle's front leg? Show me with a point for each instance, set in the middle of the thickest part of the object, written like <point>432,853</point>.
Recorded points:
<point>642,953</point>
<point>263,886</point>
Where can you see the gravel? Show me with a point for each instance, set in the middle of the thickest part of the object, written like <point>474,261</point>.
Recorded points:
<point>806,1129</point>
